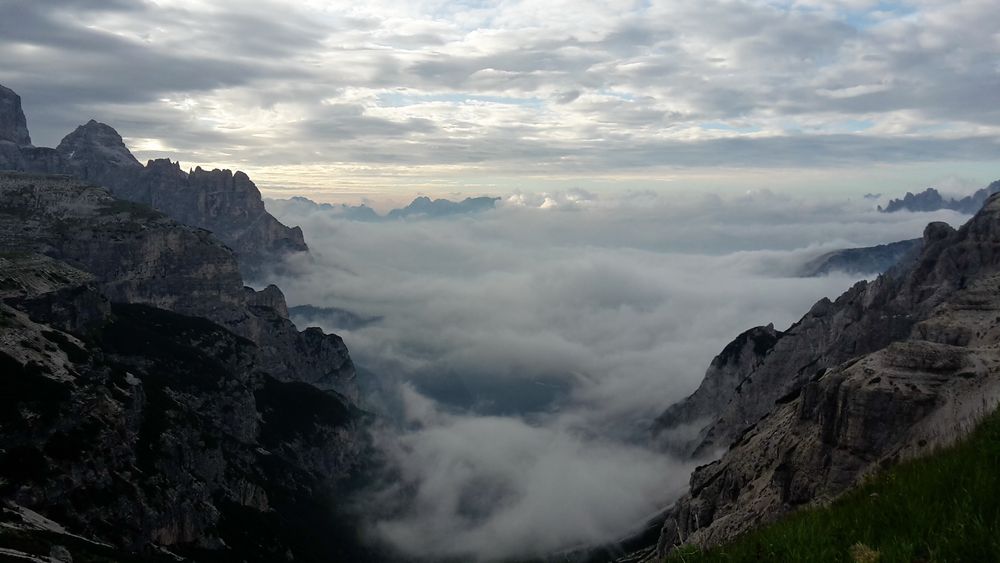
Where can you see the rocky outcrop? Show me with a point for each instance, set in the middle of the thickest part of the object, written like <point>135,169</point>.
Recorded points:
<point>932,200</point>
<point>138,255</point>
<point>154,431</point>
<point>866,318</point>
<point>891,369</point>
<point>269,298</point>
<point>681,428</point>
<point>13,126</point>
<point>226,203</point>
<point>144,402</point>
<point>861,261</point>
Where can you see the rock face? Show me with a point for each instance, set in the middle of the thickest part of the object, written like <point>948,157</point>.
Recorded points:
<point>861,261</point>
<point>138,255</point>
<point>889,370</point>
<point>682,427</point>
<point>932,200</point>
<point>220,201</point>
<point>96,152</point>
<point>143,398</point>
<point>13,126</point>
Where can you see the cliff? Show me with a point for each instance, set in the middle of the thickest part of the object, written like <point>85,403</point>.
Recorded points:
<point>226,203</point>
<point>146,405</point>
<point>861,261</point>
<point>891,369</point>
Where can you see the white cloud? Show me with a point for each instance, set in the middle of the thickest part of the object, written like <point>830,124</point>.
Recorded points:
<point>535,343</point>
<point>553,89</point>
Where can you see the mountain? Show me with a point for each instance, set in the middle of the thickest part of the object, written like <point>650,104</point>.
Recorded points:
<point>425,207</point>
<point>151,405</point>
<point>13,126</point>
<point>931,200</point>
<point>298,205</point>
<point>861,261</point>
<point>420,208</point>
<point>891,369</point>
<point>226,203</point>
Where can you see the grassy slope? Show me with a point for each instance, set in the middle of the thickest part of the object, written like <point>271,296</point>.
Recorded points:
<point>942,508</point>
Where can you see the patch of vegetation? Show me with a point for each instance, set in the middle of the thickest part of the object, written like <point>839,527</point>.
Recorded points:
<point>941,508</point>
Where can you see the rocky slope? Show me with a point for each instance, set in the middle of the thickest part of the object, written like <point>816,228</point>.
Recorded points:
<point>891,369</point>
<point>860,261</point>
<point>226,203</point>
<point>932,200</point>
<point>146,404</point>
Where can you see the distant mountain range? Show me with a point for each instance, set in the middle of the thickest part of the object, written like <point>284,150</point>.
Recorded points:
<point>932,200</point>
<point>422,207</point>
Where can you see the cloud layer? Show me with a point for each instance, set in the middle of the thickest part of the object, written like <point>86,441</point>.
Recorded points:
<point>531,346</point>
<point>420,92</point>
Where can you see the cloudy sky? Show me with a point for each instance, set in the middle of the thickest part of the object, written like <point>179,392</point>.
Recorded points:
<point>344,99</point>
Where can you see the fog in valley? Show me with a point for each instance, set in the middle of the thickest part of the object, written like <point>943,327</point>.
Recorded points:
<point>521,353</point>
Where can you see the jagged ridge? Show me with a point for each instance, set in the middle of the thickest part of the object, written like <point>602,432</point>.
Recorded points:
<point>226,203</point>
<point>889,370</point>
<point>932,200</point>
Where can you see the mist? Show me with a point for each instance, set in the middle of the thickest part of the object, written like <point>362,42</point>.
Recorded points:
<point>522,353</point>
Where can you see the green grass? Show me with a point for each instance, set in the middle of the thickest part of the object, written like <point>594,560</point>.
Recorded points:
<point>941,508</point>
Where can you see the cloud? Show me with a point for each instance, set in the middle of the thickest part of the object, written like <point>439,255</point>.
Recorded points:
<point>466,501</point>
<point>516,88</point>
<point>532,345</point>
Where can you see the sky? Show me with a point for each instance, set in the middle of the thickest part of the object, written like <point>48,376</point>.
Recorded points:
<point>525,351</point>
<point>342,101</point>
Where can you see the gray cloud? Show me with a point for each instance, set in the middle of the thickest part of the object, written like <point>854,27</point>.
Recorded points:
<point>532,345</point>
<point>554,90</point>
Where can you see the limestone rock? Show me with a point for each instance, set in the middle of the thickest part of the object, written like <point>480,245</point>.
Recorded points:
<point>137,255</point>
<point>13,126</point>
<point>889,370</point>
<point>95,152</point>
<point>861,261</point>
<point>226,203</point>
<point>270,297</point>
<point>149,402</point>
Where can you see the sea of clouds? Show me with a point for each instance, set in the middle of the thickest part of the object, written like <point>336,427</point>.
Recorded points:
<point>523,352</point>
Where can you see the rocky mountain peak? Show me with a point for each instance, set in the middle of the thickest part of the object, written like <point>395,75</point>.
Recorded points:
<point>13,126</point>
<point>165,166</point>
<point>98,145</point>
<point>938,230</point>
<point>221,201</point>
